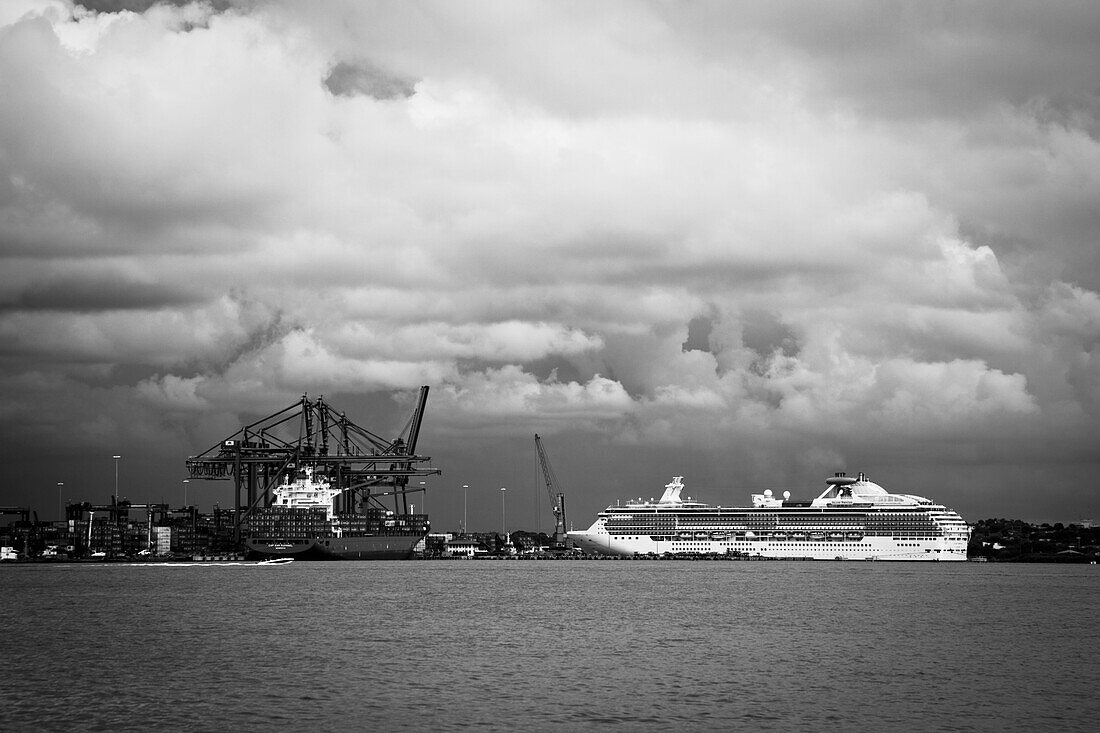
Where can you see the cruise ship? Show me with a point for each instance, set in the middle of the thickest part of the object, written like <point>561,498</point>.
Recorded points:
<point>301,523</point>
<point>853,519</point>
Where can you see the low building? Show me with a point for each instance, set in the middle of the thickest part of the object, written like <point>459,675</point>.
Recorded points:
<point>463,547</point>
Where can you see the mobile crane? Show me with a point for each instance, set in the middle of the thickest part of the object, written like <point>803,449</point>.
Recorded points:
<point>560,540</point>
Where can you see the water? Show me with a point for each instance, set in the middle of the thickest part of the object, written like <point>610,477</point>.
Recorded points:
<point>561,646</point>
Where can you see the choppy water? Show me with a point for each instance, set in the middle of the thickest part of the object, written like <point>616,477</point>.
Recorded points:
<point>557,646</point>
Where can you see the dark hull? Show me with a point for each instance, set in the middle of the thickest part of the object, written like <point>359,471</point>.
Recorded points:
<point>371,547</point>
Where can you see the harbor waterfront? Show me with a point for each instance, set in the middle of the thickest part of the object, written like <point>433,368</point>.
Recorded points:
<point>640,646</point>
<point>330,489</point>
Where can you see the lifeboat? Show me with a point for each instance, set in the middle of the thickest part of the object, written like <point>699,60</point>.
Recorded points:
<point>854,536</point>
<point>817,536</point>
<point>801,536</point>
<point>836,535</point>
<point>719,535</point>
<point>685,536</point>
<point>781,536</point>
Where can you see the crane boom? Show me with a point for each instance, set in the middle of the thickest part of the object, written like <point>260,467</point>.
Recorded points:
<point>557,496</point>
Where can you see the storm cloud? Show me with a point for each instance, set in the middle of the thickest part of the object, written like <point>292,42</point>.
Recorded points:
<point>751,244</point>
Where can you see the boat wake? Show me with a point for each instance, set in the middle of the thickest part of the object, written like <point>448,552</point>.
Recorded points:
<point>278,561</point>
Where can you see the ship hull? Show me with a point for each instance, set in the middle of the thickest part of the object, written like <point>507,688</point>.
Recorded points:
<point>371,547</point>
<point>866,548</point>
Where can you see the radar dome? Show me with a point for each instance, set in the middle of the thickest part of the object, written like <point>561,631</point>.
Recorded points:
<point>767,492</point>
<point>786,495</point>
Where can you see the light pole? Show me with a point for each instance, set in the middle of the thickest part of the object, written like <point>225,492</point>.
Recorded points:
<point>185,482</point>
<point>465,528</point>
<point>503,526</point>
<point>60,506</point>
<point>116,476</point>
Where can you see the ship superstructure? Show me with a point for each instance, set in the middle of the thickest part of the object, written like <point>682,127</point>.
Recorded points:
<point>853,519</point>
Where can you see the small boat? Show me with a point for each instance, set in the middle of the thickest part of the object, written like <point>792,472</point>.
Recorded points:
<point>276,561</point>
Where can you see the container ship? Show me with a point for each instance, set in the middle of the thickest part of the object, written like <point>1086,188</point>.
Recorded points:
<point>853,519</point>
<point>301,524</point>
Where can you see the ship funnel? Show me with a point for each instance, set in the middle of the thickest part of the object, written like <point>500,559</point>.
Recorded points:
<point>839,474</point>
<point>861,476</point>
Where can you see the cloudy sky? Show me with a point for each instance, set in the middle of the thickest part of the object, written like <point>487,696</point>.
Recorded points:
<point>749,243</point>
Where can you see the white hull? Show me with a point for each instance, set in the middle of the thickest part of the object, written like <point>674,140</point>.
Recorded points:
<point>869,548</point>
<point>853,519</point>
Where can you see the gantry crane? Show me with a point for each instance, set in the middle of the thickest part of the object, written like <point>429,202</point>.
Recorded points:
<point>310,433</point>
<point>23,512</point>
<point>557,497</point>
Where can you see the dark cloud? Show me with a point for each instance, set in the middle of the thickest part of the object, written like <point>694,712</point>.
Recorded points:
<point>554,368</point>
<point>89,294</point>
<point>698,338</point>
<point>351,79</point>
<point>1072,110</point>
<point>910,59</point>
<point>140,6</point>
<point>765,333</point>
<point>756,240</point>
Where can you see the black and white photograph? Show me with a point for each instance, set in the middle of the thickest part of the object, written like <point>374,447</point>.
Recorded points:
<point>549,365</point>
